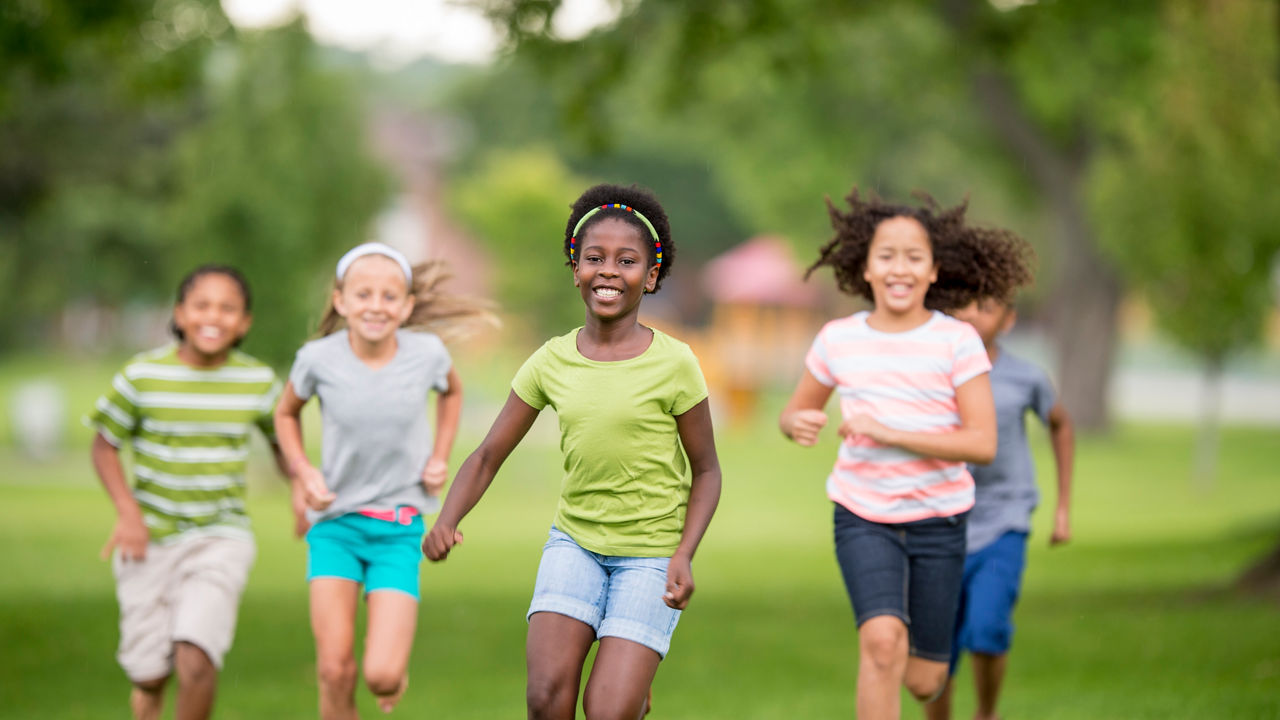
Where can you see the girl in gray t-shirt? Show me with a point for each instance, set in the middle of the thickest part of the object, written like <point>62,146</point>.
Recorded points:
<point>381,469</point>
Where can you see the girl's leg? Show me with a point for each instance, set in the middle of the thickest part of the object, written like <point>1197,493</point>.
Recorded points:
<point>988,675</point>
<point>333,622</point>
<point>555,650</point>
<point>940,709</point>
<point>618,688</point>
<point>882,666</point>
<point>393,617</point>
<point>925,679</point>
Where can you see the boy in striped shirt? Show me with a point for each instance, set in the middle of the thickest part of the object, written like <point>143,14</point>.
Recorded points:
<point>182,543</point>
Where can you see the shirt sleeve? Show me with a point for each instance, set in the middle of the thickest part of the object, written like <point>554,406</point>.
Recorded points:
<point>689,384</point>
<point>1043,396</point>
<point>817,361</point>
<point>439,379</point>
<point>970,357</point>
<point>302,376</point>
<point>116,415</point>
<point>527,383</point>
<point>266,421</point>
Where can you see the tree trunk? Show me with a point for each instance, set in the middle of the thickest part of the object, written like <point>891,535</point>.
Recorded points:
<point>1207,434</point>
<point>1086,294</point>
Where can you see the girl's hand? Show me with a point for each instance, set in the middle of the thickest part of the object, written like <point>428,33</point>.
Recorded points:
<point>802,426</point>
<point>317,493</point>
<point>1061,527</point>
<point>434,475</point>
<point>131,536</point>
<point>679,582</point>
<point>863,425</point>
<point>439,541</point>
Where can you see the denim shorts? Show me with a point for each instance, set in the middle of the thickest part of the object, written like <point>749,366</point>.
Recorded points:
<point>617,596</point>
<point>381,554</point>
<point>992,581</point>
<point>912,571</point>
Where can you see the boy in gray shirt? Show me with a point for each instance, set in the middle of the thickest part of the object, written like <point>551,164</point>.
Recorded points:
<point>1005,495</point>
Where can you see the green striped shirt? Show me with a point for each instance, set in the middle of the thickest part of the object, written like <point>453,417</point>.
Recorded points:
<point>190,432</point>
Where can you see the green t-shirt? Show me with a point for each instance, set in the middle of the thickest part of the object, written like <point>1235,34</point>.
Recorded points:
<point>626,481</point>
<point>190,433</point>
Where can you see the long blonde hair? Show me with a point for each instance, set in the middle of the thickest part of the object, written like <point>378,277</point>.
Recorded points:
<point>449,316</point>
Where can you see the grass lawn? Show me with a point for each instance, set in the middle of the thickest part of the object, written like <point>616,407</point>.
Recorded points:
<point>1131,620</point>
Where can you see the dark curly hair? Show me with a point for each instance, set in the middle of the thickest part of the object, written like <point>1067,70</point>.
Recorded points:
<point>974,263</point>
<point>189,281</point>
<point>644,201</point>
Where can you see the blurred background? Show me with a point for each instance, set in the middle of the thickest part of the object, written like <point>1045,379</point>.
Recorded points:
<point>1136,145</point>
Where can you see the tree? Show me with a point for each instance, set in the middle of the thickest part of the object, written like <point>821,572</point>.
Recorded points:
<point>1043,79</point>
<point>278,181</point>
<point>1182,188</point>
<point>91,94</point>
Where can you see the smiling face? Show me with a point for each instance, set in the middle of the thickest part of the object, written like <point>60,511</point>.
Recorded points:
<point>212,318</point>
<point>612,271</point>
<point>900,267</point>
<point>374,298</point>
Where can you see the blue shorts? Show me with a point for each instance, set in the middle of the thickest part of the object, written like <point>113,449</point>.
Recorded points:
<point>992,581</point>
<point>911,571</point>
<point>381,554</point>
<point>617,596</point>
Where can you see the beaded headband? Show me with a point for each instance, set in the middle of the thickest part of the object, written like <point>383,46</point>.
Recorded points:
<point>573,241</point>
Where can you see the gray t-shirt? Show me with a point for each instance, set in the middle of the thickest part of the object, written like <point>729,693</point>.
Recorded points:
<point>376,436</point>
<point>1005,491</point>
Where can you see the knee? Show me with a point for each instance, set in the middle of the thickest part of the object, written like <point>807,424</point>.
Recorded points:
<point>883,644</point>
<point>926,684</point>
<point>382,680</point>
<point>193,664</point>
<point>152,687</point>
<point>546,698</point>
<point>337,673</point>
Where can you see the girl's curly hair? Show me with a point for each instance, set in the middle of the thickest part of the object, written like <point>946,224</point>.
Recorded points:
<point>644,201</point>
<point>973,263</point>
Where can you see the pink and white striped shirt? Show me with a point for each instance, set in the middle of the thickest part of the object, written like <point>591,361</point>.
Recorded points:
<point>907,381</point>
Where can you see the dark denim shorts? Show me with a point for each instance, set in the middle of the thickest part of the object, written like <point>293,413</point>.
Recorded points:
<point>912,571</point>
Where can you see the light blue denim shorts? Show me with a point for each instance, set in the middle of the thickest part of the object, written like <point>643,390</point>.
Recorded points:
<point>617,596</point>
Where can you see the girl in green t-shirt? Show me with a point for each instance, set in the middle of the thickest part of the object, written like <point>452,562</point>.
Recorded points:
<point>632,404</point>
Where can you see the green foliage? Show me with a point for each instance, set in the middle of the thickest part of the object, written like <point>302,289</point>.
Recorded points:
<point>277,181</point>
<point>517,204</point>
<point>90,94</point>
<point>1184,189</point>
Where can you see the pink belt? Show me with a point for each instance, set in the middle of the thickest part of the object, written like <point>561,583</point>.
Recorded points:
<point>403,514</point>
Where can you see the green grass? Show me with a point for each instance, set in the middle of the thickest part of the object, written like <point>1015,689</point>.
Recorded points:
<point>1133,619</point>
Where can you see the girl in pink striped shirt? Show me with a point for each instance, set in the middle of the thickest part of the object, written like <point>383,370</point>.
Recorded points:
<point>916,405</point>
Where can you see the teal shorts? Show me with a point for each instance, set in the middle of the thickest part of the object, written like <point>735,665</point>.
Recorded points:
<point>380,554</point>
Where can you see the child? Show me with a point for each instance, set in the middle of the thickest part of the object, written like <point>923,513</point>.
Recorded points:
<point>381,470</point>
<point>182,544</point>
<point>617,565</point>
<point>916,406</point>
<point>1001,516</point>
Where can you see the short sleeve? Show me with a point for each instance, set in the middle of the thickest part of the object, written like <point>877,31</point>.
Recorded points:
<point>115,415</point>
<point>689,384</point>
<point>1043,396</point>
<point>266,421</point>
<point>441,363</point>
<point>817,360</point>
<point>302,374</point>
<point>527,383</point>
<point>969,356</point>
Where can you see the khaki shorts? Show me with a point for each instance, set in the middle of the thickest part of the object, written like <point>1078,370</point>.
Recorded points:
<point>185,592</point>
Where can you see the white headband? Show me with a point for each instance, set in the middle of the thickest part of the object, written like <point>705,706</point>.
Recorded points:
<point>375,248</point>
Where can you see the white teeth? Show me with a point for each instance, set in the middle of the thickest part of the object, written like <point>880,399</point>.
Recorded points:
<point>209,332</point>
<point>607,292</point>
